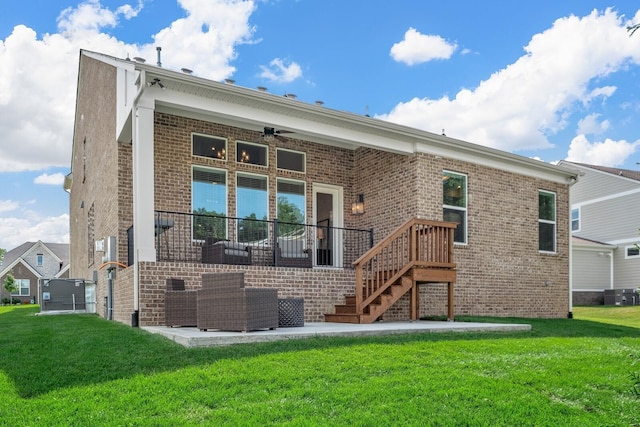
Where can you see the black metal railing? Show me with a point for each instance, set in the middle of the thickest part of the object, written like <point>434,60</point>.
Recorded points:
<point>188,237</point>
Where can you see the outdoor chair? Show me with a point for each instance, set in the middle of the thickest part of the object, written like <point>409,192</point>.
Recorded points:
<point>180,305</point>
<point>225,304</point>
<point>292,253</point>
<point>215,251</point>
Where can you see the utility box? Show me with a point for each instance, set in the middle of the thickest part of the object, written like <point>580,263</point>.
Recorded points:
<point>621,297</point>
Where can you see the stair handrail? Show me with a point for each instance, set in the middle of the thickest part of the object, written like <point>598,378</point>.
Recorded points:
<point>408,245</point>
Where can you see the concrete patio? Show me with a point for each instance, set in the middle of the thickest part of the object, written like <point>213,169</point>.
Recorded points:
<point>193,337</point>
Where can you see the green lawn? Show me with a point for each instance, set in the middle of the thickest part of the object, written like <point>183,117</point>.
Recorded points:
<point>85,371</point>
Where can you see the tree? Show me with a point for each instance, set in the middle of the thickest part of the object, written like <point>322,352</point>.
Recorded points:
<point>632,29</point>
<point>10,286</point>
<point>2,252</point>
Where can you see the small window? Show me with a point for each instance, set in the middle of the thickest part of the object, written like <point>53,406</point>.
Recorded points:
<point>575,219</point>
<point>546,221</point>
<point>454,201</point>
<point>291,160</point>
<point>632,252</point>
<point>40,259</point>
<point>209,146</point>
<point>253,154</point>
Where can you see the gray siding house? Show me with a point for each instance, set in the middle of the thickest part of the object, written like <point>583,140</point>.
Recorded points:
<point>31,262</point>
<point>605,222</point>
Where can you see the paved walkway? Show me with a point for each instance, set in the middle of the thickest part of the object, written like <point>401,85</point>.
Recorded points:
<point>193,337</point>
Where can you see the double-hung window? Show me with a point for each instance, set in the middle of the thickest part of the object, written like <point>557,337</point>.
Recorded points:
<point>22,286</point>
<point>252,207</point>
<point>454,203</point>
<point>546,221</point>
<point>209,203</point>
<point>575,219</point>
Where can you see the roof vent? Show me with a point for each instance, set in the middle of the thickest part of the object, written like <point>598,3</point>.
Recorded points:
<point>290,95</point>
<point>187,71</point>
<point>140,60</point>
<point>319,103</point>
<point>230,81</point>
<point>159,49</point>
<point>262,88</point>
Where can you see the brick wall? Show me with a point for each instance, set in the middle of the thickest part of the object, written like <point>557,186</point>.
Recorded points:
<point>321,289</point>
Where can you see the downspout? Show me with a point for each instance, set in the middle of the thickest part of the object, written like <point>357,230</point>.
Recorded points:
<point>572,182</point>
<point>611,282</point>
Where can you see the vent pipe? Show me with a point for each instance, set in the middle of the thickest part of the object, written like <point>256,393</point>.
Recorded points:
<point>159,62</point>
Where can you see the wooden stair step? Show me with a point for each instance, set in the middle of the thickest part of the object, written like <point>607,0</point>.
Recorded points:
<point>342,318</point>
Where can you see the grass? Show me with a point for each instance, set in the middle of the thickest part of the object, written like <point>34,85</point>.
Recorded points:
<point>82,370</point>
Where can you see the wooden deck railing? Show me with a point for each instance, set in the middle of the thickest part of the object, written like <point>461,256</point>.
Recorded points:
<point>416,243</point>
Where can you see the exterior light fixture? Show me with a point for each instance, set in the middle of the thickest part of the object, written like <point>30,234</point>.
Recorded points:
<point>357,207</point>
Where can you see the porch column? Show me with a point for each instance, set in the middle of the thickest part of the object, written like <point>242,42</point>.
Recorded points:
<point>143,184</point>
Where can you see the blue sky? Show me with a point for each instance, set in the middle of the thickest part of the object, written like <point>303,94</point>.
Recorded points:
<point>546,79</point>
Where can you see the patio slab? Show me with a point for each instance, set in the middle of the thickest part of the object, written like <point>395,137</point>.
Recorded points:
<point>193,337</point>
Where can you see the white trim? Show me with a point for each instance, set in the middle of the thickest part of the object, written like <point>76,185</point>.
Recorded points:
<point>217,159</point>
<point>337,192</point>
<point>626,252</point>
<point>304,160</point>
<point>605,198</point>
<point>266,157</point>
<point>546,221</point>
<point>265,177</point>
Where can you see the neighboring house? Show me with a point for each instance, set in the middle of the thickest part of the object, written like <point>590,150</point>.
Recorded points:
<point>174,175</point>
<point>30,262</point>
<point>605,222</point>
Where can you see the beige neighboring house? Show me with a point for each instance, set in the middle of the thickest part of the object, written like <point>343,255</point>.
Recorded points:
<point>30,262</point>
<point>174,175</point>
<point>605,222</point>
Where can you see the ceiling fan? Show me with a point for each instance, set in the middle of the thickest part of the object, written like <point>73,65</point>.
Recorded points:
<point>275,133</point>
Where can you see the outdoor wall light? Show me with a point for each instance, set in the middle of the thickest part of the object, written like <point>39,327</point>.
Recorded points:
<point>357,207</point>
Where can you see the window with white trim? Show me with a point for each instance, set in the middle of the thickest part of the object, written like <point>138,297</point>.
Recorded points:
<point>23,288</point>
<point>454,203</point>
<point>253,154</point>
<point>209,146</point>
<point>209,203</point>
<point>575,219</point>
<point>632,252</point>
<point>546,221</point>
<point>290,160</point>
<point>252,207</point>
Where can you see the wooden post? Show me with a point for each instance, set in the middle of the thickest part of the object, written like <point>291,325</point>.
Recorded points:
<point>415,299</point>
<point>450,301</point>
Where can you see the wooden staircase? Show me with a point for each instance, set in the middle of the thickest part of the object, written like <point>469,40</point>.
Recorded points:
<point>419,251</point>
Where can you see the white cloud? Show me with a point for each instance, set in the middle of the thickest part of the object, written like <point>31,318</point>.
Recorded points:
<point>417,48</point>
<point>590,125</point>
<point>281,72</point>
<point>8,205</point>
<point>53,179</point>
<point>518,107</point>
<point>606,153</point>
<point>36,116</point>
<point>31,228</point>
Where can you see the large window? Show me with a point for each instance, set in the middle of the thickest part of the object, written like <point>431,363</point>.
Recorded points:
<point>575,219</point>
<point>253,154</point>
<point>454,201</point>
<point>252,207</point>
<point>546,221</point>
<point>291,160</point>
<point>291,207</point>
<point>209,203</point>
<point>23,288</point>
<point>209,146</point>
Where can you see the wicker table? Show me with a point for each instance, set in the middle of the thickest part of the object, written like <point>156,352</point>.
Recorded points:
<point>290,312</point>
